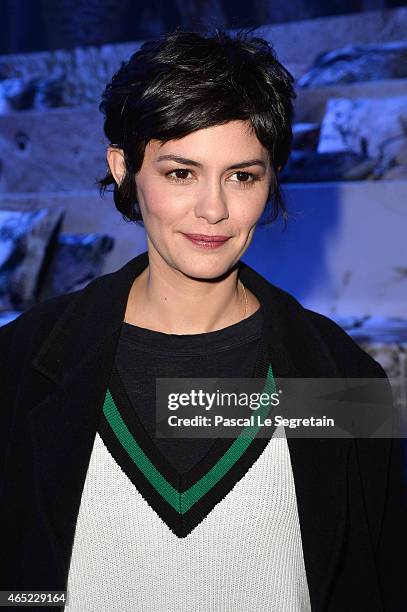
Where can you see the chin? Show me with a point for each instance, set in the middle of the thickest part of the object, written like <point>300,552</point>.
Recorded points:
<point>207,270</point>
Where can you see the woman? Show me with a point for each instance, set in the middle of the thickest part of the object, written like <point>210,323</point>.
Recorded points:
<point>92,501</point>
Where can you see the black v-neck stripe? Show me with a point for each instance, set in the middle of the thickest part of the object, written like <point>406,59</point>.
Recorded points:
<point>180,520</point>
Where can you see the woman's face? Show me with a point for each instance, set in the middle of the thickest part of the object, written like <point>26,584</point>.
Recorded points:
<point>214,181</point>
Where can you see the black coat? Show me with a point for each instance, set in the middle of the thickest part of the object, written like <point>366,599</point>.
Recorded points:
<point>56,360</point>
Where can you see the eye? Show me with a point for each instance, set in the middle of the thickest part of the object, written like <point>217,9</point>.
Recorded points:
<point>245,178</point>
<point>179,175</point>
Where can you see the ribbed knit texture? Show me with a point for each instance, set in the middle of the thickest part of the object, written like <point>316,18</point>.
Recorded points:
<point>245,556</point>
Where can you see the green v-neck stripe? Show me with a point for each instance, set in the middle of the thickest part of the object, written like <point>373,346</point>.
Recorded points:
<point>137,454</point>
<point>182,502</point>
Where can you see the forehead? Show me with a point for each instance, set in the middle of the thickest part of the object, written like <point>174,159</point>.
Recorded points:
<point>215,143</point>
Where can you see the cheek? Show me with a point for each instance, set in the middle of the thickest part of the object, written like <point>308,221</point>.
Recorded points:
<point>151,195</point>
<point>247,211</point>
<point>158,203</point>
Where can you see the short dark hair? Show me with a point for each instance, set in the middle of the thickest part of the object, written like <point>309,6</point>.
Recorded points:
<point>185,81</point>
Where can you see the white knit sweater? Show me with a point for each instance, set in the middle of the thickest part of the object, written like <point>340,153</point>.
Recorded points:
<point>245,556</point>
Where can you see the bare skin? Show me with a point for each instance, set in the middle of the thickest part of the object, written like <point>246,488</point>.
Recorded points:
<point>139,313</point>
<point>187,289</point>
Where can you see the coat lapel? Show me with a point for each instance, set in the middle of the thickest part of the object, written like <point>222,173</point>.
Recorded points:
<point>78,356</point>
<point>319,465</point>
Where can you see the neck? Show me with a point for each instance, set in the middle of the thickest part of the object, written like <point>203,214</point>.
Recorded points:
<point>164,299</point>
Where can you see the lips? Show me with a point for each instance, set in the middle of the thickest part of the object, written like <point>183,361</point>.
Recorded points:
<point>206,238</point>
<point>203,241</point>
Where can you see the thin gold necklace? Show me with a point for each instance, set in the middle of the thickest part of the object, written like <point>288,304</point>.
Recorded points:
<point>245,298</point>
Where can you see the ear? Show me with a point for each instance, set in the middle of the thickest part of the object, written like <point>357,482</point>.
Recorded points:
<point>115,159</point>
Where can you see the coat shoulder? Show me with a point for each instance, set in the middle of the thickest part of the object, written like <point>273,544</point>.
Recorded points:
<point>32,325</point>
<point>352,359</point>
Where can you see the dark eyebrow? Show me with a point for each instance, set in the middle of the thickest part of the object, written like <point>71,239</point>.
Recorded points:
<point>191,162</point>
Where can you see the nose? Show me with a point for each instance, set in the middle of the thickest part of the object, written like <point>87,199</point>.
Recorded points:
<point>212,203</point>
